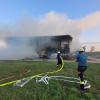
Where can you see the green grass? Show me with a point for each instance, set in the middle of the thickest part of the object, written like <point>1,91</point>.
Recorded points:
<point>56,90</point>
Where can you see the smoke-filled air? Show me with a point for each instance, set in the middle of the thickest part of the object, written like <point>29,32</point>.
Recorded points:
<point>15,38</point>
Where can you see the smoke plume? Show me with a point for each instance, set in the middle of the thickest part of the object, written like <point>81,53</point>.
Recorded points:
<point>50,24</point>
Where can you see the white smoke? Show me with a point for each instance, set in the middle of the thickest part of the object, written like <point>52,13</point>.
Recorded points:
<point>50,24</point>
<point>90,21</point>
<point>3,43</point>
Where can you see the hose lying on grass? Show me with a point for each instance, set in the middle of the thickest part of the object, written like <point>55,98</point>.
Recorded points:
<point>34,76</point>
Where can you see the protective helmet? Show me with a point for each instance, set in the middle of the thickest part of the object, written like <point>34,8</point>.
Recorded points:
<point>58,52</point>
<point>81,49</point>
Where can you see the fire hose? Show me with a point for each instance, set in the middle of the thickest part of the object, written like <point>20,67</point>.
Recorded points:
<point>32,77</point>
<point>45,79</point>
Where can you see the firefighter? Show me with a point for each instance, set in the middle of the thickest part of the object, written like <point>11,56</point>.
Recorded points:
<point>59,59</point>
<point>82,66</point>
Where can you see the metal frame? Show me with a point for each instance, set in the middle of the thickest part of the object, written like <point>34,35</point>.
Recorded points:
<point>45,79</point>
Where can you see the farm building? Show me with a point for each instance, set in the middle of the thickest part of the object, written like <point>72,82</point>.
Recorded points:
<point>46,45</point>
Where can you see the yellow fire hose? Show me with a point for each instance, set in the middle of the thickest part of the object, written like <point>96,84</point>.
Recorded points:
<point>31,77</point>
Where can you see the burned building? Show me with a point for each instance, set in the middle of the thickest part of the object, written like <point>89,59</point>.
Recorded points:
<point>46,45</point>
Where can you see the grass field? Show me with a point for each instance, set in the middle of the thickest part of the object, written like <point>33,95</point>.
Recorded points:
<point>56,90</point>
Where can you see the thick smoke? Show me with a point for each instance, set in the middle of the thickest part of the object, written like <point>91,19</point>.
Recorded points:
<point>50,24</point>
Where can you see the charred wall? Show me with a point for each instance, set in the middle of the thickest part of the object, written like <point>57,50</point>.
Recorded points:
<point>46,45</point>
